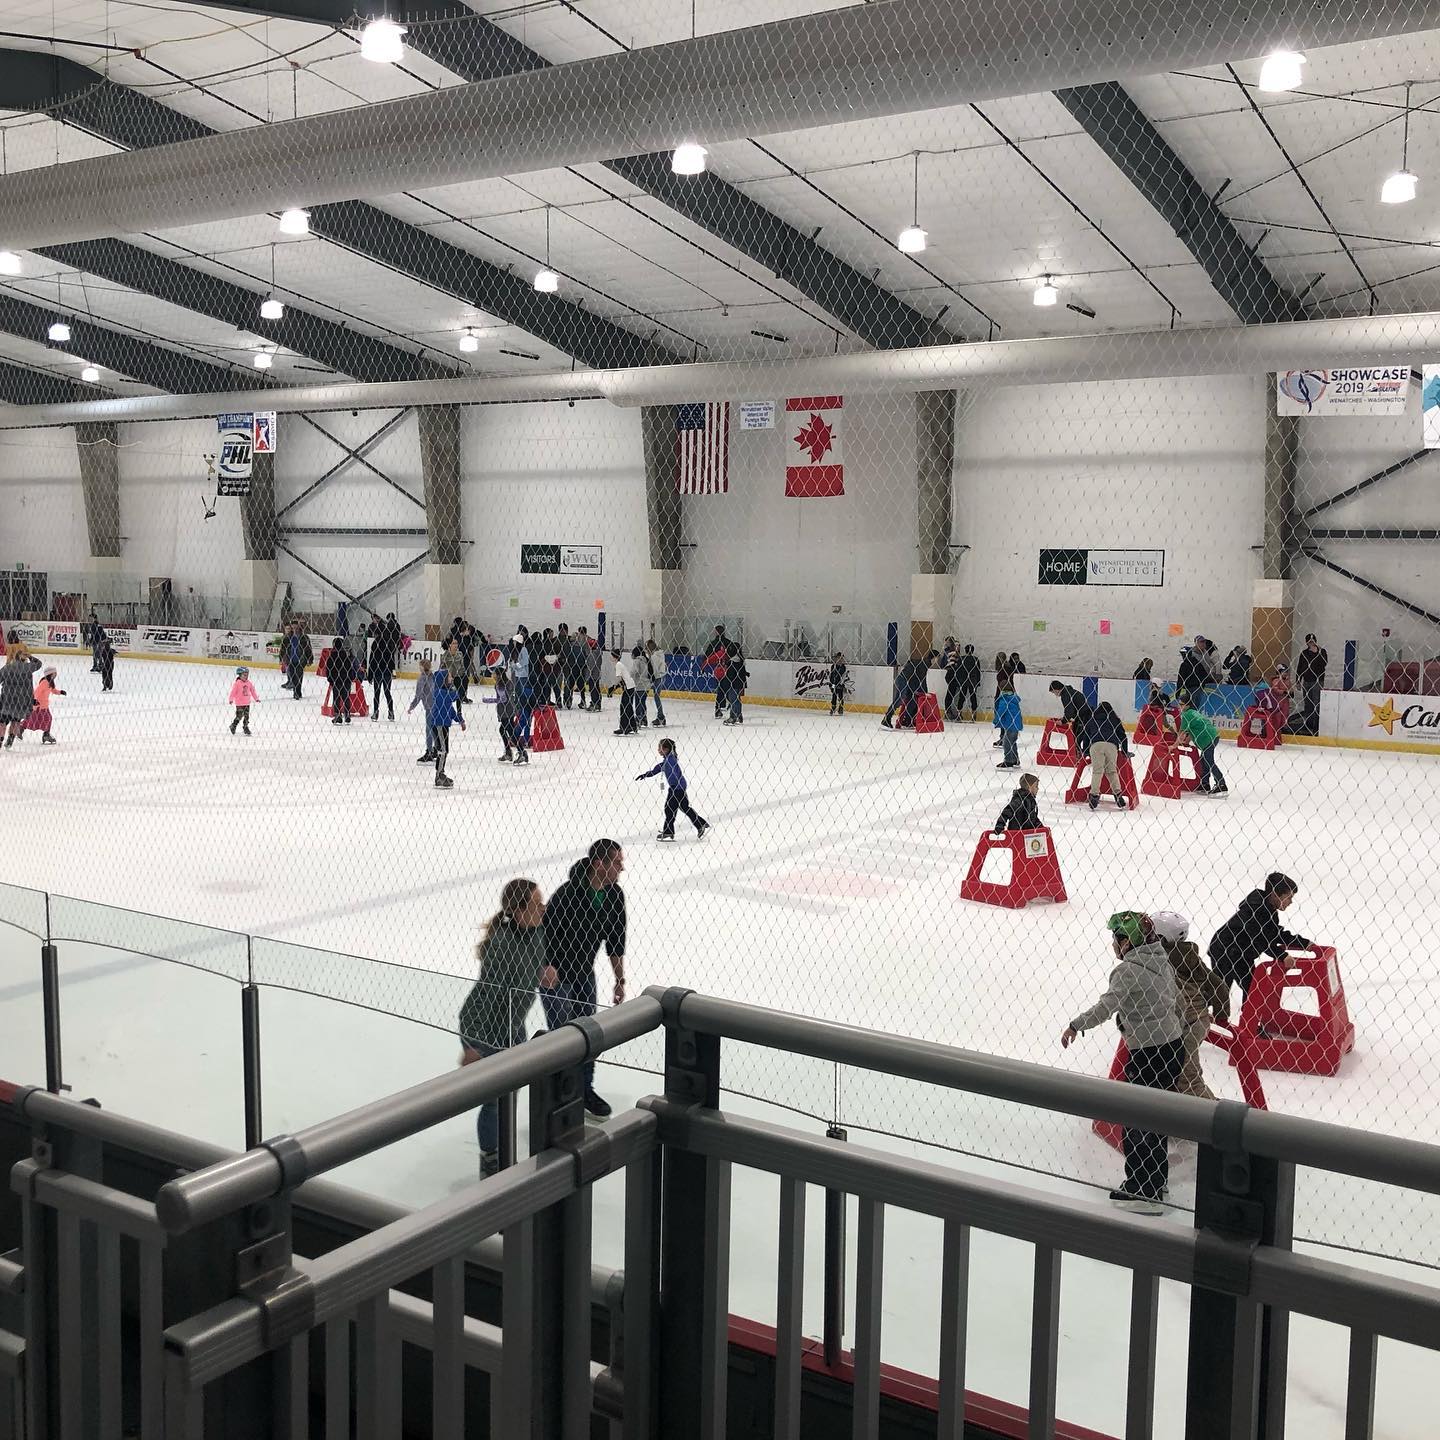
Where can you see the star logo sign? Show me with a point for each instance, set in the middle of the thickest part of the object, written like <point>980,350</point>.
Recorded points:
<point>816,437</point>
<point>1384,715</point>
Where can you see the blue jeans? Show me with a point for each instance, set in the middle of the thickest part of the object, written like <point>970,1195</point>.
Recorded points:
<point>527,695</point>
<point>571,1000</point>
<point>487,1122</point>
<point>735,713</point>
<point>659,703</point>
<point>1010,747</point>
<point>641,696</point>
<point>1210,775</point>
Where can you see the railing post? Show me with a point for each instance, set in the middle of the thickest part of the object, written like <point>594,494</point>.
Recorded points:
<point>50,998</point>
<point>833,1332</point>
<point>1238,1349</point>
<point>694,1251</point>
<point>250,1045</point>
<point>508,1142</point>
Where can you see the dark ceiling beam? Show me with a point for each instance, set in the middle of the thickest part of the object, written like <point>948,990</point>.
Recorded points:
<point>150,364</point>
<point>75,95</point>
<point>22,386</point>
<point>1122,130</point>
<point>350,352</point>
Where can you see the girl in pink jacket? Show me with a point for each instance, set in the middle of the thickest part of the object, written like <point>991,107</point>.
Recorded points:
<point>243,695</point>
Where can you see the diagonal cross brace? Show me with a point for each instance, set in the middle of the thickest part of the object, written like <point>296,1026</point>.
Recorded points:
<point>1368,481</point>
<point>352,456</point>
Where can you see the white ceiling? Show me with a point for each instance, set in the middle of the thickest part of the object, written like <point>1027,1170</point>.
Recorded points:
<point>1009,192</point>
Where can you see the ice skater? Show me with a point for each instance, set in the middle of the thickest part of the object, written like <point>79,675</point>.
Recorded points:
<point>1009,721</point>
<point>106,653</point>
<point>243,695</point>
<point>39,718</point>
<point>625,684</point>
<point>1204,737</point>
<point>644,679</point>
<point>1105,741</point>
<point>446,713</point>
<point>1022,812</point>
<point>677,799</point>
<point>1203,995</point>
<point>1145,998</point>
<point>507,715</point>
<point>17,690</point>
<point>340,672</point>
<point>1254,932</point>
<point>425,697</point>
<point>655,658</point>
<point>839,681</point>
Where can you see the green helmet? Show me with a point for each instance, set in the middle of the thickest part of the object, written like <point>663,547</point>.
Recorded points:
<point>1130,924</point>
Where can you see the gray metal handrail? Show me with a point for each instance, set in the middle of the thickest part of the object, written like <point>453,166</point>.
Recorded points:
<point>1222,1123</point>
<point>281,1164</point>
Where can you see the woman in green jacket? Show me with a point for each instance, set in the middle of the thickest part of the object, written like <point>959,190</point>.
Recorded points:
<point>1204,737</point>
<point>512,964</point>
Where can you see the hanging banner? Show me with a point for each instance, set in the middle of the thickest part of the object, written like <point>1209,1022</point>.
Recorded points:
<point>1367,390</point>
<point>263,432</point>
<point>814,462</point>
<point>757,414</point>
<point>1430,407</point>
<point>237,447</point>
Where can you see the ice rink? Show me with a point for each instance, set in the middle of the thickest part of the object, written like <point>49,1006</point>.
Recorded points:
<point>829,885</point>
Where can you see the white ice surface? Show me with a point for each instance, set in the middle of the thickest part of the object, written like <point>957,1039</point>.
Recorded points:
<point>829,885</point>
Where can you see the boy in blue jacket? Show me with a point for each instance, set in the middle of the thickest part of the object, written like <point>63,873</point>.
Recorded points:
<point>446,712</point>
<point>1010,722</point>
<point>676,799</point>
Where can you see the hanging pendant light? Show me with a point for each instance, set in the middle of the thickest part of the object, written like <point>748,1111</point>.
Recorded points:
<point>1281,71</point>
<point>912,239</point>
<point>688,159</point>
<point>1399,188</point>
<point>383,42</point>
<point>547,282</point>
<point>295,221</point>
<point>1046,293</point>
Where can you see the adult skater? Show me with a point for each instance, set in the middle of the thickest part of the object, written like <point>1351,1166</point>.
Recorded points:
<point>912,682</point>
<point>1105,742</point>
<point>677,799</point>
<point>594,663</point>
<point>40,718</point>
<point>839,682</point>
<point>1196,668</point>
<point>520,672</point>
<point>1203,996</point>
<point>94,630</point>
<point>1075,711</point>
<point>446,712</point>
<point>340,672</point>
<point>243,695</point>
<point>1204,737</point>
<point>513,965</point>
<point>1310,673</point>
<point>644,678</point>
<point>737,681</point>
<point>107,662</point>
<point>1004,678</point>
<point>1009,721</point>
<point>717,661</point>
<point>655,658</point>
<point>507,717</point>
<point>624,682</point>
<point>1017,665</point>
<point>586,912</point>
<point>1022,810</point>
<point>1143,995</point>
<point>384,654</point>
<point>967,672</point>
<point>572,667</point>
<point>425,698</point>
<point>296,654</point>
<point>17,690</point>
<point>1254,932</point>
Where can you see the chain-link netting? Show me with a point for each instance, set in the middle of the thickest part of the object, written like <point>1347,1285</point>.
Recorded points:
<point>1059,411</point>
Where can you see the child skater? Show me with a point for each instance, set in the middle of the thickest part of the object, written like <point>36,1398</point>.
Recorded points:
<point>676,799</point>
<point>446,712</point>
<point>40,716</point>
<point>507,713</point>
<point>1022,812</point>
<point>839,678</point>
<point>243,695</point>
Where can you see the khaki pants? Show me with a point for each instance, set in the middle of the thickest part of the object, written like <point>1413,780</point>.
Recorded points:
<point>1104,761</point>
<point>1192,1077</point>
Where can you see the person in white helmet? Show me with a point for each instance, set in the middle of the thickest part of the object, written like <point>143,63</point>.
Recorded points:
<point>1203,995</point>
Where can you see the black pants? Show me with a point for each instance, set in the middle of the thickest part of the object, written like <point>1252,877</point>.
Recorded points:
<point>677,802</point>
<point>442,747</point>
<point>380,679</point>
<point>571,1000</point>
<point>627,712</point>
<point>837,698</point>
<point>340,700</point>
<point>903,700</point>
<point>107,672</point>
<point>295,673</point>
<point>1147,1159</point>
<point>567,695</point>
<point>969,700</point>
<point>594,692</point>
<point>952,694</point>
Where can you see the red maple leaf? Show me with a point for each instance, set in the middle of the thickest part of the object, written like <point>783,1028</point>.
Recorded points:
<point>817,437</point>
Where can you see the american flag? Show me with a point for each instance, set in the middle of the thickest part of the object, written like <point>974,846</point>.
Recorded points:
<point>702,438</point>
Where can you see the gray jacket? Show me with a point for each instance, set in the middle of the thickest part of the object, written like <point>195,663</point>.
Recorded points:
<point>1143,993</point>
<point>17,688</point>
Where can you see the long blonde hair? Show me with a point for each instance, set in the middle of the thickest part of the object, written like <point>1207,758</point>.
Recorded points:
<point>513,899</point>
<point>17,651</point>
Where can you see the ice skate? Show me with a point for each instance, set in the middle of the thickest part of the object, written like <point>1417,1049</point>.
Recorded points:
<point>428,758</point>
<point>443,781</point>
<point>597,1106</point>
<point>665,835</point>
<point>48,739</point>
<point>701,828</point>
<point>489,1164</point>
<point>522,757</point>
<point>1094,802</point>
<point>1136,1204</point>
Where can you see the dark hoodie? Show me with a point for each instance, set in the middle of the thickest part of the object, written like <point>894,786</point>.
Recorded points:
<point>1252,931</point>
<point>578,920</point>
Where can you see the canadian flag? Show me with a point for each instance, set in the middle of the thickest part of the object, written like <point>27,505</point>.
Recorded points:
<point>814,466</point>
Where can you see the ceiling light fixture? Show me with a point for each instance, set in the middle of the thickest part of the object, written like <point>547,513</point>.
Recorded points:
<point>9,263</point>
<point>271,309</point>
<point>547,282</point>
<point>911,240</point>
<point>469,342</point>
<point>1046,292</point>
<point>1281,71</point>
<point>295,222</point>
<point>263,360</point>
<point>383,42</point>
<point>59,331</point>
<point>1399,188</point>
<point>90,374</point>
<point>689,159</point>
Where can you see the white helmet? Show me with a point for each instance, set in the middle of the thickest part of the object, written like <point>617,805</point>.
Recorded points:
<point>1170,925</point>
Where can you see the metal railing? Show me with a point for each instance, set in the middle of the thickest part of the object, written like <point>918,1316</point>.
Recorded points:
<point>216,1327</point>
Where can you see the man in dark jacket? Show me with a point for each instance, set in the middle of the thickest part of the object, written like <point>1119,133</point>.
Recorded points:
<point>912,681</point>
<point>967,676</point>
<point>1310,676</point>
<point>384,652</point>
<point>586,912</point>
<point>1195,671</point>
<point>1253,931</point>
<point>1076,712</point>
<point>296,652</point>
<point>340,672</point>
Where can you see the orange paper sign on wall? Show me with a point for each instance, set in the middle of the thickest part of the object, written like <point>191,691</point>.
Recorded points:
<point>1176,630</point>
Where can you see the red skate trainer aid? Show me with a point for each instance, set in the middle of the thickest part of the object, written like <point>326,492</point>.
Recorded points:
<point>358,708</point>
<point>1150,727</point>
<point>1062,751</point>
<point>1165,776</point>
<point>927,715</point>
<point>545,730</point>
<point>1260,729</point>
<point>1079,791</point>
<point>1034,870</point>
<point>1278,1038</point>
